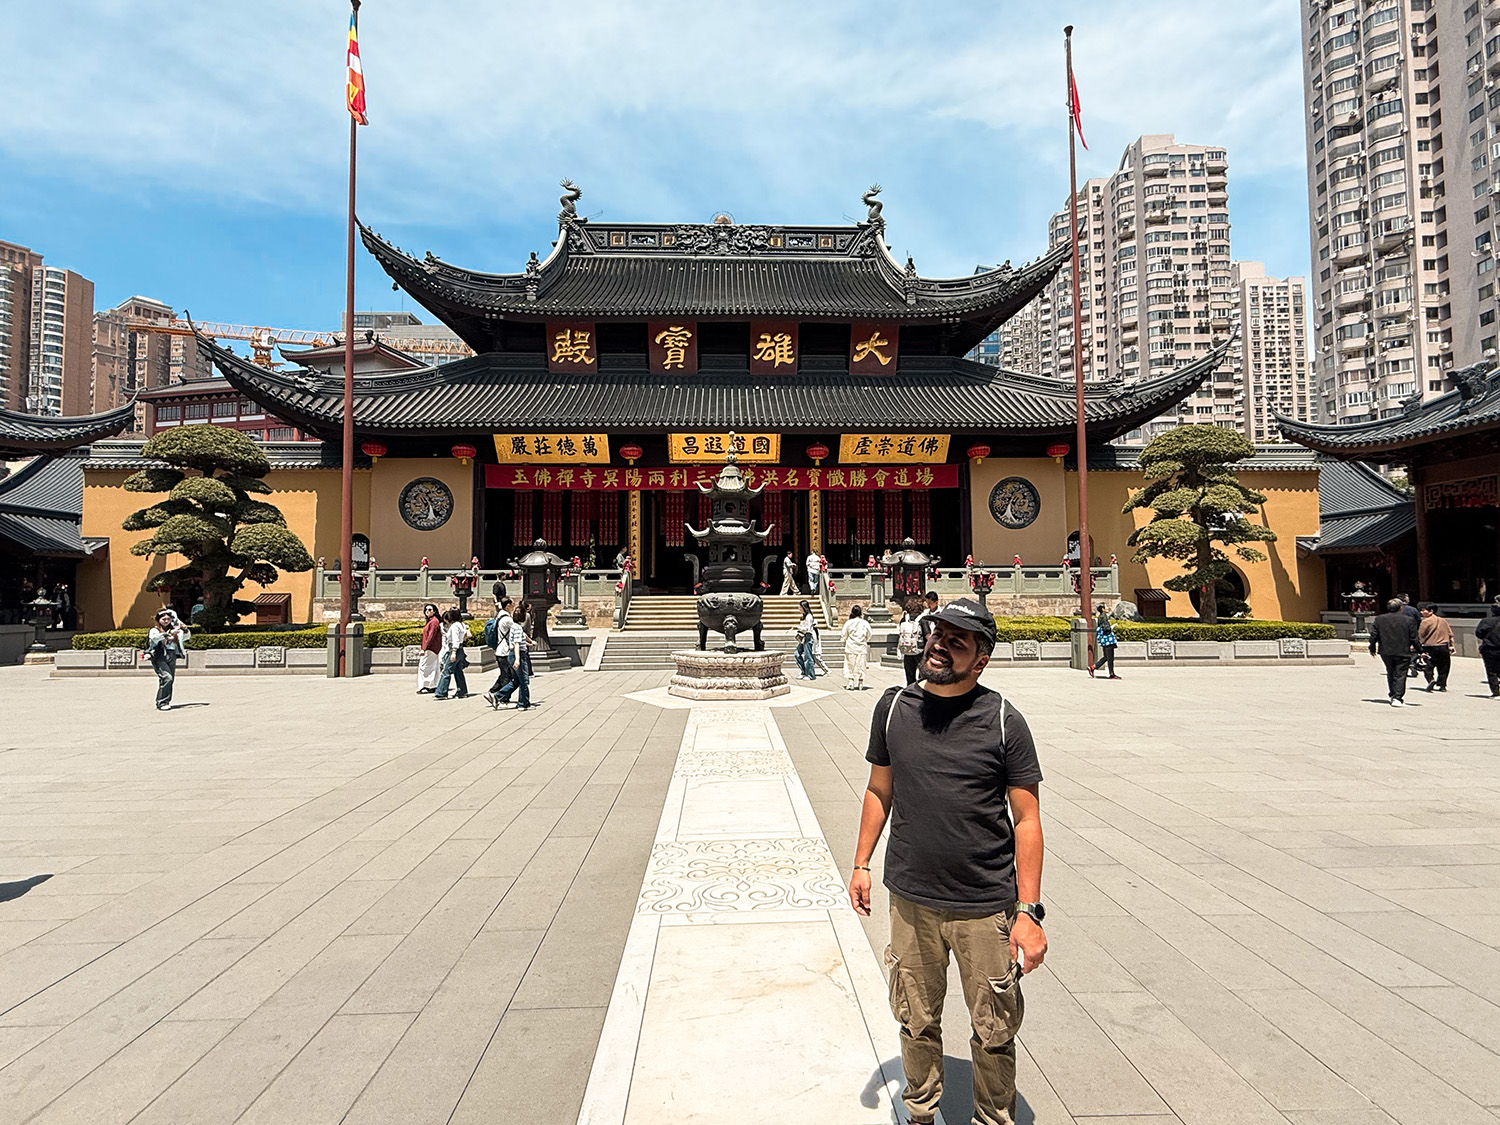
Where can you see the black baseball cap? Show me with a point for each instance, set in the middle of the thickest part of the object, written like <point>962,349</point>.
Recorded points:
<point>968,614</point>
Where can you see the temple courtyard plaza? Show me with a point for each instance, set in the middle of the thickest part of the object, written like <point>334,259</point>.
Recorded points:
<point>1272,898</point>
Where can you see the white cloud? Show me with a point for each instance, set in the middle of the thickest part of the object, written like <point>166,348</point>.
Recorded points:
<point>668,109</point>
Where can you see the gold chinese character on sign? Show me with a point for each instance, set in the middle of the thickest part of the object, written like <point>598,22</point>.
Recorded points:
<point>871,347</point>
<point>675,339</point>
<point>775,349</point>
<point>572,345</point>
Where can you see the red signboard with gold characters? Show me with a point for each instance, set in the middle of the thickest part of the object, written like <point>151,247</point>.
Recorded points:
<point>672,346</point>
<point>571,346</point>
<point>872,347</point>
<point>773,347</point>
<point>588,478</point>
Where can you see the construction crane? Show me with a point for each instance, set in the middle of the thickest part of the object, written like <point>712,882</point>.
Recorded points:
<point>264,340</point>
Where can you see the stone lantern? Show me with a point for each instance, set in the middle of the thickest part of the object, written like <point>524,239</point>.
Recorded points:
<point>908,568</point>
<point>42,611</point>
<point>540,571</point>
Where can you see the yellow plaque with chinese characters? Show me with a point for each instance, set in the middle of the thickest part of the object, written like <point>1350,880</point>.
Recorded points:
<point>699,449</point>
<point>552,449</point>
<point>893,449</point>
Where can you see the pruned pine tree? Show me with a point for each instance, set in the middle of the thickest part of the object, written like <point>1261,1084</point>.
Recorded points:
<point>1197,503</point>
<point>211,517</point>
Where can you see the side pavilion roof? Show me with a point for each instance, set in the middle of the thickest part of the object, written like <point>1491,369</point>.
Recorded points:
<point>22,434</point>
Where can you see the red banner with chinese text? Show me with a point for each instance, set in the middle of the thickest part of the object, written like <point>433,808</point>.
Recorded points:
<point>673,517</point>
<point>894,532</point>
<point>836,529</point>
<point>921,517</point>
<point>522,530</point>
<point>553,478</point>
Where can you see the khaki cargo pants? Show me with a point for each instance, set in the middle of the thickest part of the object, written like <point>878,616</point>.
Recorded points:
<point>917,962</point>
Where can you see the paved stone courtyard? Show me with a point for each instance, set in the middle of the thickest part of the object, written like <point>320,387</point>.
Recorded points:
<point>1273,898</point>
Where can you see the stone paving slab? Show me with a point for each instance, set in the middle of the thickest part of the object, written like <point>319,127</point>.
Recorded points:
<point>1273,897</point>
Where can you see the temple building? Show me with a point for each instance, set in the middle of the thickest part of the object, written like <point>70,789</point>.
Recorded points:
<point>1450,447</point>
<point>611,373</point>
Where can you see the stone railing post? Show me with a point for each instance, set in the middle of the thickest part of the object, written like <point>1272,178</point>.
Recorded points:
<point>880,612</point>
<point>570,616</point>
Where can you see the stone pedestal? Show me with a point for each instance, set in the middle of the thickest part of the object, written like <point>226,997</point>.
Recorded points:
<point>728,675</point>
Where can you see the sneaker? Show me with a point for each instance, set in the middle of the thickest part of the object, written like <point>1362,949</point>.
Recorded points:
<point>1114,677</point>
<point>1397,702</point>
<point>163,706</point>
<point>1442,687</point>
<point>489,697</point>
<point>441,698</point>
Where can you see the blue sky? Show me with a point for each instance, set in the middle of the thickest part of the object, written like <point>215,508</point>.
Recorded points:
<point>196,153</point>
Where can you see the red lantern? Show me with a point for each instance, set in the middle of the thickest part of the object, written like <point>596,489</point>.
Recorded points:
<point>1058,450</point>
<point>817,451</point>
<point>464,452</point>
<point>978,452</point>
<point>374,450</point>
<point>632,453</point>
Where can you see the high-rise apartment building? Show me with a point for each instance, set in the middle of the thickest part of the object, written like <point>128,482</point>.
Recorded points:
<point>17,264</point>
<point>62,339</point>
<point>1156,288</point>
<point>1400,100</point>
<point>1271,358</point>
<point>1023,343</point>
<point>129,357</point>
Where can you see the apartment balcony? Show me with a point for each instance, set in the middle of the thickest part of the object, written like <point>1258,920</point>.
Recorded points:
<point>1159,214</point>
<point>1355,298</point>
<point>1383,80</point>
<point>1492,65</point>
<point>1217,197</point>
<point>1491,13</point>
<point>1348,255</point>
<point>1353,344</point>
<point>1389,233</point>
<point>1160,168</point>
<point>1216,164</point>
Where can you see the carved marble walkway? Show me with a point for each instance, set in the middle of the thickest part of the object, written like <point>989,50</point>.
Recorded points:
<point>747,990</point>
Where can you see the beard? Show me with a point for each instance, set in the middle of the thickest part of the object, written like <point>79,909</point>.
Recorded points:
<point>938,669</point>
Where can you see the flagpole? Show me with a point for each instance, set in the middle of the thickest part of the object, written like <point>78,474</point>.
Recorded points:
<point>1085,544</point>
<point>346,492</point>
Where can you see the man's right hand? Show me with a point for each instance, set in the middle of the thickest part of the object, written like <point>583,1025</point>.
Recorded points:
<point>859,892</point>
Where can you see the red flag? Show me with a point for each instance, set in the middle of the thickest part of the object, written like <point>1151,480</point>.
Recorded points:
<point>1076,108</point>
<point>356,79</point>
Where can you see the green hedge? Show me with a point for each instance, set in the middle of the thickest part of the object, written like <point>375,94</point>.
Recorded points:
<point>1237,630</point>
<point>378,634</point>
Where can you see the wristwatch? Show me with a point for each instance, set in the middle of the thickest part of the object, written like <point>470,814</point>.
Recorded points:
<point>1035,909</point>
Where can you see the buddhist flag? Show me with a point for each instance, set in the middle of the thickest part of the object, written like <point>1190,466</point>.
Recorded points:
<point>356,80</point>
<point>1075,106</point>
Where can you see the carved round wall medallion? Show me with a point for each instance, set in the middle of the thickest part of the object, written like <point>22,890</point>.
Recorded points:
<point>1015,503</point>
<point>426,503</point>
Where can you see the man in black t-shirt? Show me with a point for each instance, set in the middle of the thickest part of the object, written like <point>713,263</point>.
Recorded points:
<point>954,768</point>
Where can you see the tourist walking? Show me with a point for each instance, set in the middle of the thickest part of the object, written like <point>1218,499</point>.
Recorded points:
<point>166,643</point>
<point>909,638</point>
<point>455,656</point>
<point>789,574</point>
<point>856,635</point>
<point>520,664</point>
<point>954,769</point>
<point>431,655</point>
<point>1488,634</point>
<point>1393,635</point>
<point>497,635</point>
<point>1104,634</point>
<point>1435,640</point>
<point>814,572</point>
<point>807,635</point>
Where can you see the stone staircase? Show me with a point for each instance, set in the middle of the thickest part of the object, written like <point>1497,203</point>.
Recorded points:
<point>667,613</point>
<point>641,651</point>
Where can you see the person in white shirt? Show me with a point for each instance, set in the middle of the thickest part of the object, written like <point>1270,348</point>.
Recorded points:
<point>520,669</point>
<point>807,637</point>
<point>814,572</point>
<point>455,658</point>
<point>789,574</point>
<point>856,633</point>
<point>165,643</point>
